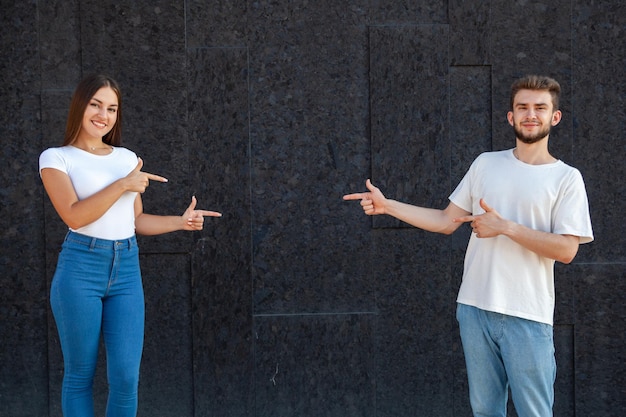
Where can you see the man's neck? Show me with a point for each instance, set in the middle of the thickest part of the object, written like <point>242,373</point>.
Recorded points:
<point>534,153</point>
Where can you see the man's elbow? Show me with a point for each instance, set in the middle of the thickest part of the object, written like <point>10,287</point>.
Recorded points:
<point>569,254</point>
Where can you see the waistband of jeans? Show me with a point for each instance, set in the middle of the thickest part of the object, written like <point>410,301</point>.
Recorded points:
<point>94,242</point>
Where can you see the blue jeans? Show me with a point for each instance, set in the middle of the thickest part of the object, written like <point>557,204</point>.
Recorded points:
<point>503,351</point>
<point>97,289</point>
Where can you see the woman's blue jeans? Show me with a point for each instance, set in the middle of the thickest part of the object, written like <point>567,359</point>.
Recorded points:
<point>97,289</point>
<point>503,351</point>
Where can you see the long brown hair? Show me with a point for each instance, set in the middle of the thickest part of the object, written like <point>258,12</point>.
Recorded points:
<point>85,90</point>
<point>537,82</point>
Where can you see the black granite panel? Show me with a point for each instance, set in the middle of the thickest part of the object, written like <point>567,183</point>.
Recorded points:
<point>409,115</point>
<point>23,369</point>
<point>221,23</point>
<point>59,44</point>
<point>416,333</point>
<point>599,89</point>
<point>142,45</point>
<point>470,118</point>
<point>406,11</point>
<point>531,37</point>
<point>308,91</point>
<point>222,283</point>
<point>564,395</point>
<point>470,38</point>
<point>564,308</point>
<point>600,340</point>
<point>222,327</point>
<point>318,365</point>
<point>166,383</point>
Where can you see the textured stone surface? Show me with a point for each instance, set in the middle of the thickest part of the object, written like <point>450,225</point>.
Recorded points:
<point>222,290</point>
<point>167,363</point>
<point>312,365</point>
<point>409,114</point>
<point>599,111</point>
<point>599,338</point>
<point>308,109</point>
<point>294,302</point>
<point>24,369</point>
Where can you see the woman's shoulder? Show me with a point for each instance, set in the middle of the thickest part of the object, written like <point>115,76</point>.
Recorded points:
<point>57,157</point>
<point>55,152</point>
<point>124,151</point>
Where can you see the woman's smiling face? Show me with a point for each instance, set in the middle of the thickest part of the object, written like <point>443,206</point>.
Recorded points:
<point>100,114</point>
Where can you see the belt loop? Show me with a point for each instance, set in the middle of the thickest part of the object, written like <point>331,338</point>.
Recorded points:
<point>93,243</point>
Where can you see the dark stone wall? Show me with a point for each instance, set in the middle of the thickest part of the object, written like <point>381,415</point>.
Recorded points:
<point>294,303</point>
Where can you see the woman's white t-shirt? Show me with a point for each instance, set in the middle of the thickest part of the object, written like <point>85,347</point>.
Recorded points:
<point>499,274</point>
<point>91,173</point>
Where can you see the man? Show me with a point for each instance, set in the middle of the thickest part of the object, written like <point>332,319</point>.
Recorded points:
<point>527,210</point>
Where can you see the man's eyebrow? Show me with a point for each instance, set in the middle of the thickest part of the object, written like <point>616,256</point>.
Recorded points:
<point>531,104</point>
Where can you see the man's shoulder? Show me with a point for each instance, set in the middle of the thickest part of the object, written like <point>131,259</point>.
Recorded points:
<point>489,157</point>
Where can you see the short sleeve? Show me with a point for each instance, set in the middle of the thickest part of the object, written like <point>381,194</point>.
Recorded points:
<point>572,210</point>
<point>52,158</point>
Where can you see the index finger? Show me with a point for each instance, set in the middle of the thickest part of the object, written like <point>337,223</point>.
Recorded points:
<point>155,177</point>
<point>464,219</point>
<point>208,213</point>
<point>355,196</point>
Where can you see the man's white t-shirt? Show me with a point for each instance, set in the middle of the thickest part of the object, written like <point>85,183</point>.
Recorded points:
<point>499,274</point>
<point>91,173</point>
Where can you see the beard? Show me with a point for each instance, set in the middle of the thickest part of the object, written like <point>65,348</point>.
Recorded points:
<point>545,131</point>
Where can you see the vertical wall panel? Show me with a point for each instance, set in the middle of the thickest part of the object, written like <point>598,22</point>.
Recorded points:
<point>308,366</point>
<point>222,300</point>
<point>470,117</point>
<point>23,373</point>
<point>599,112</point>
<point>216,23</point>
<point>470,38</point>
<point>599,339</point>
<point>409,114</point>
<point>401,12</point>
<point>416,332</point>
<point>308,95</point>
<point>166,383</point>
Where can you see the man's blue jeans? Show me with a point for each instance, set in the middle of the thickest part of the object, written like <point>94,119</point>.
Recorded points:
<point>503,351</point>
<point>97,289</point>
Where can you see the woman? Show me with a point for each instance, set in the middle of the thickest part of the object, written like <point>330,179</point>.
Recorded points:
<point>95,186</point>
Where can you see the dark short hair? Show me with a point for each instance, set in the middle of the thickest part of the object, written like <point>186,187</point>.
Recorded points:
<point>85,90</point>
<point>537,82</point>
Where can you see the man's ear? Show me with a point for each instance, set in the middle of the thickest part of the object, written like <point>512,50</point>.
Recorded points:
<point>556,117</point>
<point>509,117</point>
